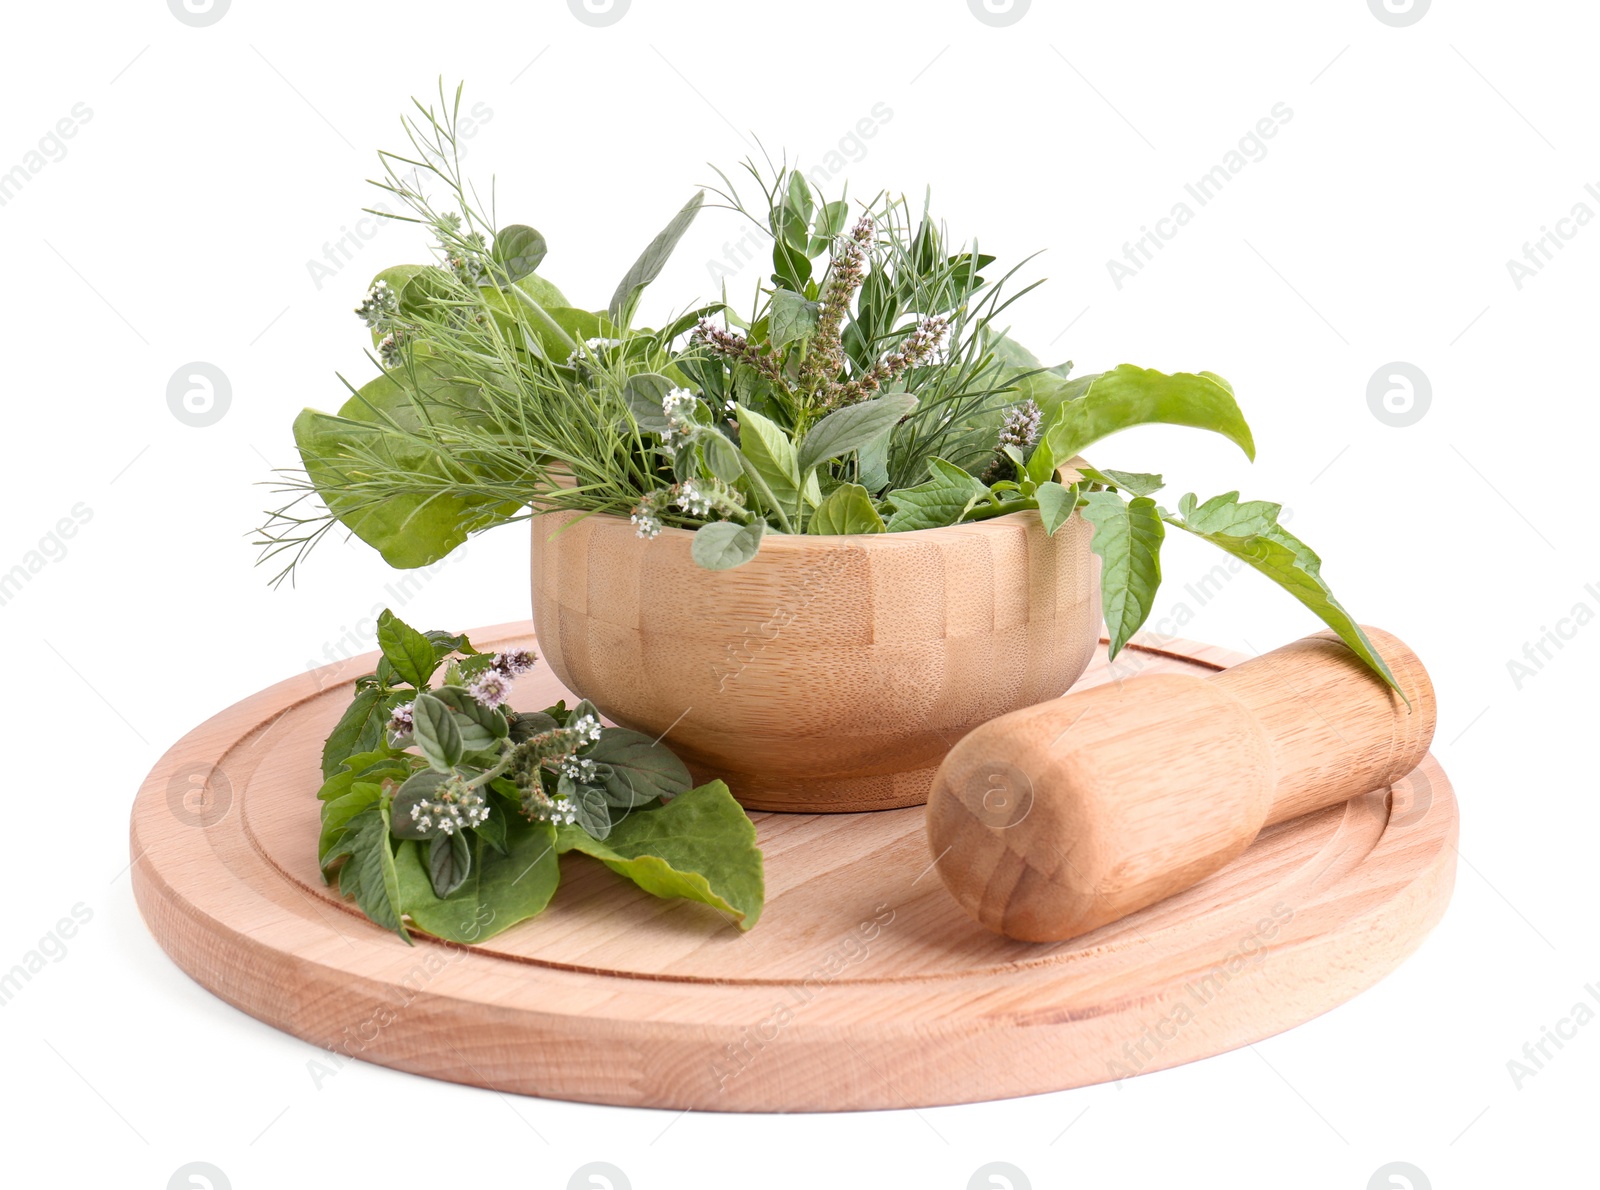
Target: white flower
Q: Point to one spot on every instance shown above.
(588, 728)
(648, 523)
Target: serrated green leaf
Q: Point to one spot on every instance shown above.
(1225, 515)
(368, 873)
(1283, 558)
(410, 652)
(771, 456)
(701, 846)
(1129, 396)
(1135, 483)
(336, 814)
(1127, 536)
(852, 428)
(359, 729)
(942, 500)
(847, 509)
(722, 545)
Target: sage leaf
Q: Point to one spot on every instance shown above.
(1055, 504)
(499, 891)
(846, 509)
(449, 862)
(410, 652)
(852, 428)
(1127, 536)
(1283, 558)
(701, 846)
(437, 735)
(588, 804)
(651, 261)
(482, 728)
(1131, 396)
(722, 545)
(518, 250)
(635, 769)
(420, 786)
(643, 395)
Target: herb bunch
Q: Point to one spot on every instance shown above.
(445, 809)
(870, 388)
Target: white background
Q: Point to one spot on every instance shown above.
(219, 160)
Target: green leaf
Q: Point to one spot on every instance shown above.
(644, 394)
(499, 891)
(1128, 539)
(365, 766)
(445, 643)
(1055, 504)
(1135, 483)
(846, 509)
(852, 428)
(482, 728)
(1283, 558)
(449, 862)
(368, 873)
(793, 320)
(493, 829)
(722, 545)
(722, 458)
(419, 786)
(651, 261)
(636, 769)
(589, 806)
(410, 652)
(518, 249)
(527, 724)
(872, 464)
(1130, 396)
(942, 500)
(829, 223)
(701, 846)
(769, 453)
(336, 814)
(437, 734)
(360, 729)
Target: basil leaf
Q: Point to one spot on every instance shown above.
(722, 545)
(700, 846)
(449, 862)
(1128, 539)
(651, 261)
(1283, 558)
(437, 735)
(499, 891)
(1130, 396)
(846, 509)
(518, 250)
(768, 452)
(852, 428)
(635, 769)
(411, 653)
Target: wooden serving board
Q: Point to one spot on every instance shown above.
(863, 986)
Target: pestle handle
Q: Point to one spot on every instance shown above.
(1061, 817)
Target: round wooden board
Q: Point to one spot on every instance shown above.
(864, 985)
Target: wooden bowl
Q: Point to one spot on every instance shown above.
(828, 673)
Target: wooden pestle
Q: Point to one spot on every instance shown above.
(1051, 821)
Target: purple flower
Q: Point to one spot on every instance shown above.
(491, 689)
(513, 662)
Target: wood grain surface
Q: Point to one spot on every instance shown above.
(827, 673)
(864, 986)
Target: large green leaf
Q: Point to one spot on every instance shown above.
(1130, 396)
(846, 509)
(1282, 557)
(852, 428)
(1127, 536)
(701, 846)
(360, 729)
(1056, 503)
(412, 654)
(499, 891)
(651, 261)
(369, 873)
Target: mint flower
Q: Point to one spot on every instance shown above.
(400, 720)
(455, 806)
(1021, 426)
(513, 662)
(492, 688)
